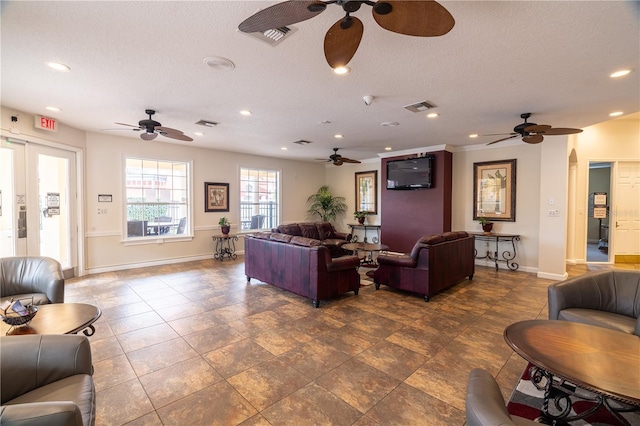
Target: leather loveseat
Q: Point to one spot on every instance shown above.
(435, 263)
(322, 231)
(609, 298)
(24, 277)
(47, 380)
(300, 265)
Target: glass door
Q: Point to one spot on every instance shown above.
(7, 197)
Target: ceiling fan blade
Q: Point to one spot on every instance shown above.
(280, 15)
(504, 139)
(537, 128)
(148, 136)
(349, 160)
(338, 162)
(561, 131)
(341, 44)
(422, 18)
(163, 130)
(500, 134)
(533, 138)
(179, 136)
(130, 125)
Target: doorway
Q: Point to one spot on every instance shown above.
(39, 206)
(599, 187)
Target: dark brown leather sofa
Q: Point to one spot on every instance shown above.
(300, 265)
(435, 263)
(322, 231)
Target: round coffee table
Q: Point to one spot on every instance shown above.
(58, 318)
(368, 259)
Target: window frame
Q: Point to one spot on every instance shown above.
(272, 222)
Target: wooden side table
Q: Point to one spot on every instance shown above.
(225, 246)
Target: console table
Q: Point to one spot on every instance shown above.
(354, 238)
(225, 246)
(506, 256)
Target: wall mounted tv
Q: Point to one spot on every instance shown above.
(411, 173)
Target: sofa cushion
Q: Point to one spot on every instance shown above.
(599, 318)
(305, 242)
(432, 239)
(290, 229)
(325, 230)
(283, 238)
(262, 235)
(309, 230)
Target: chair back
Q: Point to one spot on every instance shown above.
(182, 225)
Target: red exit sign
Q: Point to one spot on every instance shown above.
(46, 123)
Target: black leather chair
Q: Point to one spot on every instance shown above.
(485, 405)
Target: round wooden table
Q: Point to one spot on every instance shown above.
(604, 361)
(58, 318)
(369, 248)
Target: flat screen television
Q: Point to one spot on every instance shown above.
(411, 173)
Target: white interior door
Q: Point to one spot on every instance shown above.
(626, 212)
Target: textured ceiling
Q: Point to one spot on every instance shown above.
(501, 59)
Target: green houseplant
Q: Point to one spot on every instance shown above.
(325, 205)
(225, 225)
(360, 215)
(486, 225)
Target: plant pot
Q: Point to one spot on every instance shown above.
(487, 227)
(361, 220)
(225, 229)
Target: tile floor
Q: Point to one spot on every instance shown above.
(193, 344)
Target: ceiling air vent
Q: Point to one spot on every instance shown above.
(420, 106)
(275, 36)
(207, 123)
(302, 142)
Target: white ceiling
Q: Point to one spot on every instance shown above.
(501, 59)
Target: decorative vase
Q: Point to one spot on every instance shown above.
(487, 227)
(225, 229)
(361, 220)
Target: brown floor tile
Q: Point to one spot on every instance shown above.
(147, 336)
(105, 348)
(313, 359)
(122, 403)
(213, 338)
(161, 355)
(237, 357)
(396, 361)
(111, 372)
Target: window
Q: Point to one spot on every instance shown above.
(157, 198)
(259, 199)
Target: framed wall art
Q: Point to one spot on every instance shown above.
(216, 197)
(367, 191)
(494, 190)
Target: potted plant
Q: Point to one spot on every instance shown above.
(486, 225)
(360, 215)
(325, 205)
(225, 225)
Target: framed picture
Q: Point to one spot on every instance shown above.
(367, 191)
(216, 197)
(494, 190)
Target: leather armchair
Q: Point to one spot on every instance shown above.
(485, 405)
(46, 380)
(609, 298)
(22, 277)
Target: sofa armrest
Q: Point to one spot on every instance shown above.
(31, 361)
(25, 274)
(41, 414)
(343, 262)
(340, 236)
(403, 260)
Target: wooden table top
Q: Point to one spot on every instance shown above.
(595, 358)
(365, 247)
(57, 318)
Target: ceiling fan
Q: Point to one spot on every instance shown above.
(422, 18)
(151, 129)
(534, 133)
(337, 159)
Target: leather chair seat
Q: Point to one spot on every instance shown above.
(599, 318)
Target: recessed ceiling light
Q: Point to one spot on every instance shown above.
(284, 148)
(199, 134)
(338, 136)
(245, 112)
(433, 115)
(218, 63)
(387, 148)
(390, 124)
(54, 109)
(616, 114)
(58, 66)
(473, 135)
(620, 73)
(341, 70)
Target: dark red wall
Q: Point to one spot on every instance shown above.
(411, 214)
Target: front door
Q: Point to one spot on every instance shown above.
(625, 214)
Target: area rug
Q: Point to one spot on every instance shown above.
(526, 401)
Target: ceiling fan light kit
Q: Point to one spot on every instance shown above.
(533, 133)
(420, 18)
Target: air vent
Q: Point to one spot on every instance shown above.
(207, 123)
(420, 106)
(303, 142)
(275, 36)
